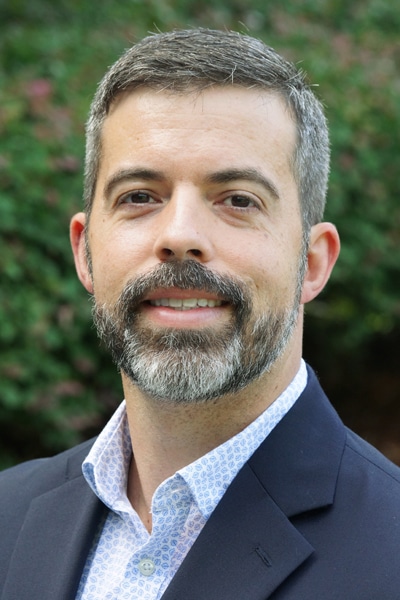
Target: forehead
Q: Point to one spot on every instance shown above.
(219, 125)
(233, 102)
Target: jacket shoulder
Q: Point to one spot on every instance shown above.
(20, 484)
(365, 463)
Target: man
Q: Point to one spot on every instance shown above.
(225, 474)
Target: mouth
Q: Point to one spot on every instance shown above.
(177, 308)
(186, 303)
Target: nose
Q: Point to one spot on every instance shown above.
(185, 228)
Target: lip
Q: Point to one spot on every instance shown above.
(183, 318)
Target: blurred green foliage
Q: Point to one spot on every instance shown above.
(57, 385)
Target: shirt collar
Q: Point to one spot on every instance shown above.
(107, 465)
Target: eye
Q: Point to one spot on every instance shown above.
(239, 201)
(138, 197)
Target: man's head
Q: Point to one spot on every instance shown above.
(190, 60)
(198, 250)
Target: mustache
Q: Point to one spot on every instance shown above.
(184, 275)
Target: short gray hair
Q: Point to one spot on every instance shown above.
(192, 60)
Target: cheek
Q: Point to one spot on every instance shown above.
(272, 280)
(117, 259)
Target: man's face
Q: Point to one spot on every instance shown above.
(196, 239)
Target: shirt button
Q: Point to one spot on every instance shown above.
(146, 566)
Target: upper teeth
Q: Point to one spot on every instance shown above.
(185, 303)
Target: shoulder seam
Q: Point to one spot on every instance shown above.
(371, 462)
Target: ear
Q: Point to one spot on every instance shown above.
(77, 237)
(323, 251)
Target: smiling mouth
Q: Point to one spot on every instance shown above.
(186, 303)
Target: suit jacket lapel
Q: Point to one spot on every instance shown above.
(53, 543)
(299, 461)
(249, 545)
(247, 548)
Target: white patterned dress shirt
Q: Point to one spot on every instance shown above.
(125, 561)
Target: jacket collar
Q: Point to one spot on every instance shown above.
(299, 461)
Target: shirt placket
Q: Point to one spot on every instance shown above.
(151, 564)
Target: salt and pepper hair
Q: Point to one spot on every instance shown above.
(184, 61)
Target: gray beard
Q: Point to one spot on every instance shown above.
(194, 366)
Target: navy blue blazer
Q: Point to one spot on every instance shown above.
(313, 515)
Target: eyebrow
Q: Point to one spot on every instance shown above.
(219, 177)
(129, 174)
(246, 174)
